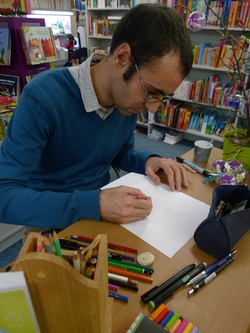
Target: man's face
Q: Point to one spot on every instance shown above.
(157, 80)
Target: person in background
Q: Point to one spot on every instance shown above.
(72, 124)
(71, 42)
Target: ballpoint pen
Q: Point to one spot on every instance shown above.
(157, 289)
(210, 277)
(210, 269)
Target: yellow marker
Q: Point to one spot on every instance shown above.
(188, 328)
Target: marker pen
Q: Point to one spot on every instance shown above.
(194, 166)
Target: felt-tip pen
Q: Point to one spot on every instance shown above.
(158, 289)
(194, 166)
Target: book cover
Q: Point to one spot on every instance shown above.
(187, 117)
(12, 6)
(10, 86)
(5, 46)
(38, 44)
(17, 312)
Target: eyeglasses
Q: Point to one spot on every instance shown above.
(148, 98)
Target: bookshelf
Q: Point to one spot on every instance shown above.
(100, 25)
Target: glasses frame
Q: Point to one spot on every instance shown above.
(148, 98)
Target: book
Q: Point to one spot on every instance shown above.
(14, 6)
(5, 46)
(187, 117)
(17, 312)
(10, 86)
(172, 137)
(38, 44)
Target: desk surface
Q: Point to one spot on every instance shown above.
(220, 307)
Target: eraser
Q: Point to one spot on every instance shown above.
(145, 258)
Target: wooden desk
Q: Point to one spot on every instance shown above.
(220, 307)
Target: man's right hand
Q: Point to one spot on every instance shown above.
(124, 204)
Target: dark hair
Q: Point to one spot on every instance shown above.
(152, 31)
(72, 38)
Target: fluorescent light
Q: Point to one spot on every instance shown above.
(51, 12)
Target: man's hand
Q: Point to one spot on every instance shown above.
(176, 172)
(124, 204)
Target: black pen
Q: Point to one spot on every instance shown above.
(194, 166)
(210, 277)
(167, 292)
(158, 289)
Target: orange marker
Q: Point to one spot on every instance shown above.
(156, 313)
(123, 272)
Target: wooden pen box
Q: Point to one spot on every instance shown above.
(63, 299)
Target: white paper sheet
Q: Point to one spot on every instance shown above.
(174, 217)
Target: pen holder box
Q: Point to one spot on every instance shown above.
(63, 299)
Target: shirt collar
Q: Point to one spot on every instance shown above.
(82, 76)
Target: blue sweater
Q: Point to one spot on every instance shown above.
(56, 157)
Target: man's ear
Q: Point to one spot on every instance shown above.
(122, 55)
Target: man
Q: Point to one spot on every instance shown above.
(71, 124)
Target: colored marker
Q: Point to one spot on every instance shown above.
(124, 284)
(113, 287)
(129, 267)
(158, 289)
(171, 322)
(123, 272)
(167, 318)
(118, 296)
(133, 265)
(111, 245)
(194, 166)
(156, 313)
(188, 328)
(121, 278)
(194, 329)
(176, 325)
(182, 326)
(163, 314)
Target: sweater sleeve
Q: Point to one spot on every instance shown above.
(20, 153)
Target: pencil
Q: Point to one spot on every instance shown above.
(57, 244)
(39, 244)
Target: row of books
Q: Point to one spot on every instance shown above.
(102, 27)
(176, 114)
(231, 13)
(109, 3)
(9, 95)
(222, 55)
(17, 6)
(209, 90)
(51, 4)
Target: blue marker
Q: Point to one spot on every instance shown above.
(166, 319)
